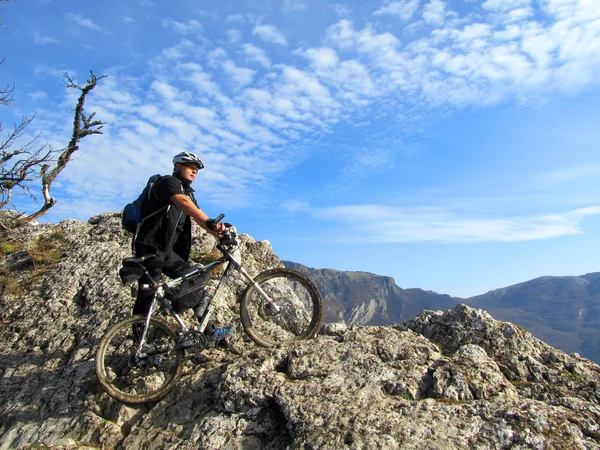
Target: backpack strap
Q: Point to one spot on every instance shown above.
(139, 225)
(148, 197)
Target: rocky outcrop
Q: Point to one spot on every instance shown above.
(443, 380)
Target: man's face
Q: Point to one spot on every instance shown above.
(188, 173)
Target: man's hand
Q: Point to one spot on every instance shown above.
(216, 227)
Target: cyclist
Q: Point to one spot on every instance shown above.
(168, 234)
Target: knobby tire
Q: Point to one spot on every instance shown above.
(149, 380)
(301, 308)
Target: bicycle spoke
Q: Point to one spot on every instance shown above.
(137, 375)
(295, 311)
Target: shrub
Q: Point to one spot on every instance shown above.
(48, 249)
(204, 256)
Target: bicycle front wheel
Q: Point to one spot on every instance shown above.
(134, 375)
(282, 305)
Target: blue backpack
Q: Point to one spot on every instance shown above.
(132, 219)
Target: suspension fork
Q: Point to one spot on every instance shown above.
(154, 285)
(142, 343)
(256, 286)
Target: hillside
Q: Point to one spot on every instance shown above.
(362, 298)
(454, 380)
(563, 311)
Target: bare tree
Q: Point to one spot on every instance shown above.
(20, 166)
(6, 93)
(3, 2)
(31, 161)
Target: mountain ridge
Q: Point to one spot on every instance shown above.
(561, 310)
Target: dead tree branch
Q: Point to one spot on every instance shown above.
(3, 2)
(6, 93)
(20, 166)
(82, 126)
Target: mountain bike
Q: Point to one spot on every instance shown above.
(140, 359)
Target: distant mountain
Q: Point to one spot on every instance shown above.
(562, 311)
(362, 298)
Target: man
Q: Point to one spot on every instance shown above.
(168, 232)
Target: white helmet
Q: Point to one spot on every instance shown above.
(188, 158)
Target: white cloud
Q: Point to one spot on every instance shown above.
(239, 75)
(178, 51)
(353, 77)
(144, 128)
(165, 90)
(519, 14)
(257, 54)
(234, 35)
(300, 82)
(404, 9)
(191, 26)
(505, 5)
(384, 44)
(434, 12)
(44, 40)
(239, 18)
(83, 22)
(352, 74)
(201, 116)
(441, 225)
(367, 163)
(481, 62)
(201, 79)
(568, 174)
(270, 34)
(37, 95)
(342, 34)
(575, 10)
(291, 6)
(322, 58)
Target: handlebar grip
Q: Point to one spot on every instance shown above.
(212, 223)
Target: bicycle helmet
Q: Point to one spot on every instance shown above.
(188, 158)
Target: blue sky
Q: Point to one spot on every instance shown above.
(452, 145)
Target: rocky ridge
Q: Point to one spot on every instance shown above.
(442, 380)
(362, 298)
(562, 311)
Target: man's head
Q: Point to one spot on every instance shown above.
(187, 165)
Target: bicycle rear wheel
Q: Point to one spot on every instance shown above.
(147, 376)
(295, 313)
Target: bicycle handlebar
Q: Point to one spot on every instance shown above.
(212, 223)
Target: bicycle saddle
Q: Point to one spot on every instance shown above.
(136, 260)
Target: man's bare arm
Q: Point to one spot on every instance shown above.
(188, 207)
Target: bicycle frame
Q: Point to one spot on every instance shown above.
(160, 290)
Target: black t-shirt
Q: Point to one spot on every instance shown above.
(167, 187)
(170, 231)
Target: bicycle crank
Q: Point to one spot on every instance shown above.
(192, 338)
